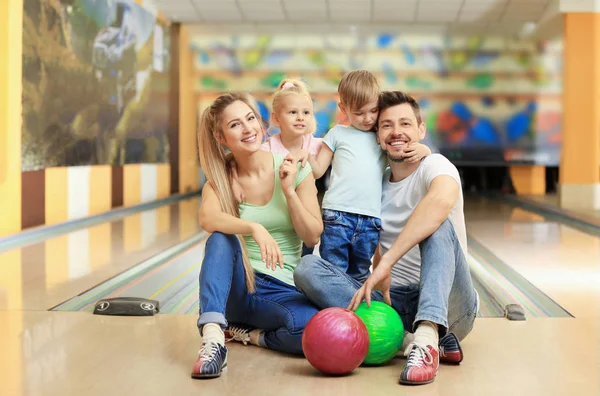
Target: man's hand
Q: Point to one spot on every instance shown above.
(380, 279)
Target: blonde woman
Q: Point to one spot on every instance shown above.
(247, 272)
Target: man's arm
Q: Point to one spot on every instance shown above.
(429, 214)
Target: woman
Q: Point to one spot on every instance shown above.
(247, 272)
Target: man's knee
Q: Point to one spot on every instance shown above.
(305, 270)
(444, 234)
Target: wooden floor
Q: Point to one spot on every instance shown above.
(76, 353)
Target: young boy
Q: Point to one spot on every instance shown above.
(352, 204)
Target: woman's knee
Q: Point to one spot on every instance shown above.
(218, 238)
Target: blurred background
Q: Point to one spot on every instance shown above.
(116, 86)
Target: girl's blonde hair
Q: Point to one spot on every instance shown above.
(216, 162)
(289, 87)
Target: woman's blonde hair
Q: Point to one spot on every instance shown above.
(289, 87)
(216, 162)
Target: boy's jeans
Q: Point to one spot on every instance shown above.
(349, 241)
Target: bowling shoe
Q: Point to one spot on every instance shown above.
(212, 361)
(421, 366)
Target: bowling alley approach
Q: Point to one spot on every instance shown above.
(299, 198)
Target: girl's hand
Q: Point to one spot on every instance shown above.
(269, 250)
(298, 156)
(287, 174)
(415, 152)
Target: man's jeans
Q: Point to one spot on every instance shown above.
(445, 295)
(278, 308)
(349, 241)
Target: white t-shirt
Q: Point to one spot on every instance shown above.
(398, 203)
(356, 171)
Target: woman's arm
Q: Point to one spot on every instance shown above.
(213, 219)
(302, 203)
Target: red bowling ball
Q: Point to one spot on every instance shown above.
(335, 341)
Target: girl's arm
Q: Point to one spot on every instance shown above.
(302, 203)
(319, 164)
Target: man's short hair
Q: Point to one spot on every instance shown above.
(389, 99)
(357, 88)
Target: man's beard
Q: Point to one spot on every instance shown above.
(394, 159)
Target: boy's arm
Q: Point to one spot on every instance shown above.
(415, 152)
(321, 163)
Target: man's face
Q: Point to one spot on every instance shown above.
(397, 127)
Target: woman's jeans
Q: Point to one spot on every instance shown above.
(276, 307)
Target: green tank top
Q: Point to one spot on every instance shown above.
(275, 217)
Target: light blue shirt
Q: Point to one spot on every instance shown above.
(356, 172)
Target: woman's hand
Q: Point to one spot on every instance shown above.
(269, 250)
(287, 173)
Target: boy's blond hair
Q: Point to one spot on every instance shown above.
(357, 88)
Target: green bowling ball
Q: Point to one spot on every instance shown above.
(386, 331)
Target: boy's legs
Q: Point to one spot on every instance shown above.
(336, 239)
(364, 242)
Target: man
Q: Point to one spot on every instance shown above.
(420, 266)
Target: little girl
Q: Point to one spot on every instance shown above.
(292, 112)
(293, 115)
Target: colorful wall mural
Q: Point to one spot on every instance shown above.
(95, 84)
(485, 100)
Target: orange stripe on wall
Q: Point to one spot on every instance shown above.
(132, 189)
(132, 233)
(57, 202)
(188, 107)
(11, 47)
(100, 180)
(580, 154)
(163, 184)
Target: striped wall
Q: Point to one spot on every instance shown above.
(55, 195)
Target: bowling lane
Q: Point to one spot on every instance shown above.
(561, 261)
(40, 276)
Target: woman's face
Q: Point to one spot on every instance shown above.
(242, 132)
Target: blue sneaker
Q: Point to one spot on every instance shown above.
(212, 361)
(450, 350)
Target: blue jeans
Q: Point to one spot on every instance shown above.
(349, 241)
(445, 295)
(278, 308)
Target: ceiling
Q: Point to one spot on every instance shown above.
(498, 17)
